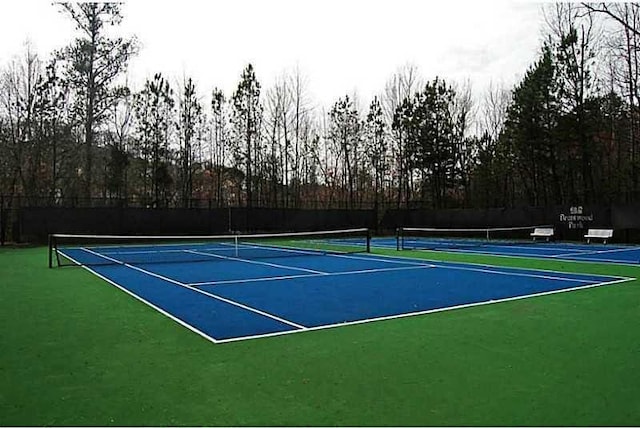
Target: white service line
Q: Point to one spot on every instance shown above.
(256, 262)
(279, 278)
(197, 290)
(177, 250)
(260, 279)
(310, 251)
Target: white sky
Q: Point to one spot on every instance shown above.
(341, 46)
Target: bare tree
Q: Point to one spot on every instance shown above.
(398, 89)
(218, 141)
(302, 138)
(623, 54)
(465, 150)
(493, 110)
(19, 83)
(189, 124)
(615, 11)
(120, 127)
(276, 121)
(575, 38)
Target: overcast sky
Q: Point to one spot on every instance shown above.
(341, 46)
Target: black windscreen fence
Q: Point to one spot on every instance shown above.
(464, 218)
(300, 220)
(35, 224)
(626, 216)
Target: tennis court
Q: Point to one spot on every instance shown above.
(264, 285)
(507, 242)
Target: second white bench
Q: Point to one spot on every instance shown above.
(603, 234)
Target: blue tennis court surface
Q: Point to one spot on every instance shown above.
(228, 298)
(625, 254)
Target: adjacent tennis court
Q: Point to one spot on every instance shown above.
(237, 287)
(507, 242)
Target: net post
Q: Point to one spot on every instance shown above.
(50, 249)
(368, 240)
(398, 238)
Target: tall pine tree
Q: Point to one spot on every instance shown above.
(93, 63)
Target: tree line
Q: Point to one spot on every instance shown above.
(567, 133)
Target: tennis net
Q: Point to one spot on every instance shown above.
(92, 250)
(423, 238)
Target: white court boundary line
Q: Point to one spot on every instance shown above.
(425, 312)
(197, 290)
(587, 252)
(443, 264)
(143, 300)
(608, 261)
(620, 280)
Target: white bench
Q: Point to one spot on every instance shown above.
(603, 234)
(542, 232)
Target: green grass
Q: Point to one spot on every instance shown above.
(77, 351)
